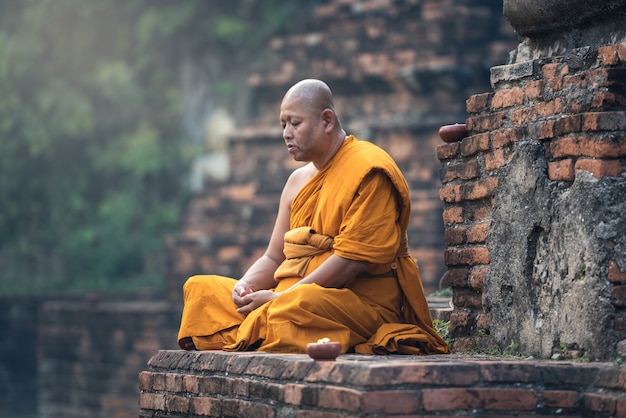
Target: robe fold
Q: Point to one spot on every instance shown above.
(356, 207)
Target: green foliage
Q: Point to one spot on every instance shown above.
(92, 151)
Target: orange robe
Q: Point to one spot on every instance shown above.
(358, 208)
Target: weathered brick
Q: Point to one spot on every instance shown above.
(561, 399)
(615, 274)
(466, 256)
(453, 215)
(457, 277)
(486, 123)
(390, 402)
(603, 147)
(612, 54)
(463, 171)
(173, 382)
(478, 211)
(209, 407)
(561, 170)
(547, 129)
(618, 296)
(450, 399)
(477, 278)
(478, 102)
(507, 98)
(534, 89)
(480, 189)
(568, 124)
(600, 403)
(495, 159)
(606, 99)
(215, 385)
(601, 168)
(619, 323)
(450, 193)
(483, 320)
(467, 298)
(551, 108)
(342, 398)
(551, 70)
(478, 233)
(523, 115)
(152, 401)
(448, 151)
(176, 403)
(604, 121)
(474, 144)
(455, 235)
(502, 137)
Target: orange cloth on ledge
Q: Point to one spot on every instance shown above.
(360, 201)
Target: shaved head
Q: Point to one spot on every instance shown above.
(314, 95)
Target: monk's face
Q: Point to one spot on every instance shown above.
(303, 131)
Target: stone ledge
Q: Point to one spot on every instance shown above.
(253, 384)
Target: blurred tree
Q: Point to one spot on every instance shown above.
(97, 121)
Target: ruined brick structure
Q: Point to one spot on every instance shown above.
(398, 70)
(535, 195)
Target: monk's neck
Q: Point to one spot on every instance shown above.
(333, 151)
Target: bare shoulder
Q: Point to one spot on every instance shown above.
(298, 178)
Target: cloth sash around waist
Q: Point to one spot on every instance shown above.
(303, 243)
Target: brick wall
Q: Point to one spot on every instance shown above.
(398, 70)
(217, 384)
(574, 107)
(90, 352)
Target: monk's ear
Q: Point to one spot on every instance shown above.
(329, 119)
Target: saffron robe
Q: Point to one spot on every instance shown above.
(356, 207)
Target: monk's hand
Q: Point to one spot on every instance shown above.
(256, 299)
(240, 290)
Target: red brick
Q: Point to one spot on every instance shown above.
(551, 70)
(479, 189)
(612, 54)
(523, 115)
(604, 99)
(551, 108)
(457, 277)
(508, 399)
(213, 384)
(478, 102)
(561, 399)
(450, 399)
(502, 137)
(191, 383)
(152, 401)
(568, 124)
(604, 147)
(486, 123)
(601, 168)
(478, 233)
(466, 256)
(534, 89)
(455, 235)
(478, 212)
(342, 398)
(463, 171)
(477, 278)
(561, 170)
(453, 215)
(618, 296)
(467, 298)
(604, 121)
(600, 403)
(483, 321)
(475, 143)
(390, 402)
(450, 194)
(615, 274)
(494, 160)
(210, 407)
(448, 151)
(507, 98)
(173, 382)
(546, 129)
(176, 403)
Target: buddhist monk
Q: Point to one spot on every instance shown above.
(337, 264)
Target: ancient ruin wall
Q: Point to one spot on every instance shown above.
(535, 195)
